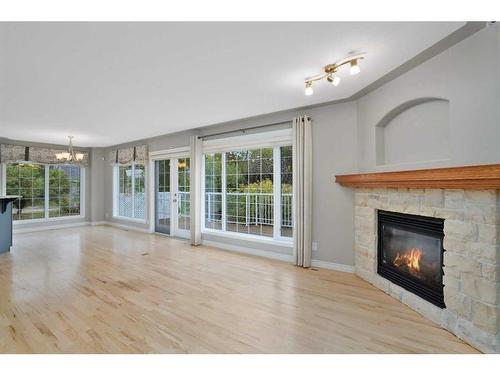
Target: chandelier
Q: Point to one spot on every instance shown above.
(331, 71)
(71, 155)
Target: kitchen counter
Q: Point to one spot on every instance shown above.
(6, 221)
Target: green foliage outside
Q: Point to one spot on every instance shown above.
(28, 181)
(256, 165)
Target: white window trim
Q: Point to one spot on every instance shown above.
(283, 241)
(47, 219)
(281, 137)
(116, 191)
(3, 179)
(173, 153)
(276, 141)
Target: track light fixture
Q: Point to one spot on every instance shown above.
(331, 72)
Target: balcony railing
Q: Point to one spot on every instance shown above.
(242, 208)
(248, 208)
(127, 201)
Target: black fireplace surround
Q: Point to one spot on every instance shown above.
(410, 253)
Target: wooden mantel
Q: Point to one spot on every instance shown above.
(472, 177)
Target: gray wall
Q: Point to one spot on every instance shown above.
(467, 76)
(498, 82)
(334, 152)
(97, 185)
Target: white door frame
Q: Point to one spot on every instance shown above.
(174, 154)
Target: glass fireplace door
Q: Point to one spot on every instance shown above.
(410, 253)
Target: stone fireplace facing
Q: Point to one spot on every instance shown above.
(385, 254)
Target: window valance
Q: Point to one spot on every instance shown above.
(128, 155)
(43, 155)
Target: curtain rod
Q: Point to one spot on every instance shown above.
(245, 129)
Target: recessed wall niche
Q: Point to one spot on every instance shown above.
(413, 132)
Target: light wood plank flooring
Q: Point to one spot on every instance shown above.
(107, 290)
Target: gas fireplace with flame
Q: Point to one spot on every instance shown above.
(410, 253)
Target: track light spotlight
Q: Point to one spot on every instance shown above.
(334, 80)
(354, 67)
(309, 89)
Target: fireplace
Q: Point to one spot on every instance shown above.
(410, 253)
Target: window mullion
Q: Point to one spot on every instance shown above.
(133, 191)
(202, 192)
(116, 183)
(224, 227)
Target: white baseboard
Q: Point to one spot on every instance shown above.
(250, 251)
(93, 223)
(332, 266)
(283, 257)
(40, 228)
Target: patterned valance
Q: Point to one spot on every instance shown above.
(42, 155)
(12, 154)
(128, 155)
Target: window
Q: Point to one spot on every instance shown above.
(28, 181)
(213, 191)
(130, 192)
(64, 191)
(60, 197)
(250, 191)
(139, 192)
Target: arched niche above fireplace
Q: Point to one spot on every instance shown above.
(415, 131)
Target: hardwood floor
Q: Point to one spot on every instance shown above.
(106, 290)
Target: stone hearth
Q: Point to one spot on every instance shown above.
(471, 260)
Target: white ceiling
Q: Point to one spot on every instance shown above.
(109, 83)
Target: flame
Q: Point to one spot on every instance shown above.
(411, 259)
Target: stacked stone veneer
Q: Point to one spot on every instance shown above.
(471, 260)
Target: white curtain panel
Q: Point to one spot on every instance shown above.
(302, 190)
(196, 148)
